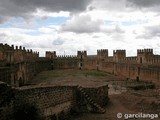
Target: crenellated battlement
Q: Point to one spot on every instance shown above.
(102, 50)
(16, 54)
(5, 47)
(119, 55)
(66, 56)
(131, 59)
(81, 54)
(102, 53)
(143, 51)
(119, 51)
(51, 54)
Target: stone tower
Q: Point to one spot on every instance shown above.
(102, 54)
(81, 55)
(51, 55)
(119, 55)
(143, 55)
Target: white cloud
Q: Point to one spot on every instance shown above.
(110, 5)
(82, 24)
(46, 30)
(85, 24)
(44, 14)
(150, 32)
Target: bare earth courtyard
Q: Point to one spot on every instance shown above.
(122, 100)
(72, 77)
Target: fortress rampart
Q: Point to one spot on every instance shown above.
(18, 65)
(144, 66)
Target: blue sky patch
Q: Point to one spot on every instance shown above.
(20, 22)
(129, 23)
(51, 21)
(109, 22)
(35, 24)
(6, 25)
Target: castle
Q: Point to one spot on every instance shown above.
(145, 66)
(18, 65)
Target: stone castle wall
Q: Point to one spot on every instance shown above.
(131, 71)
(145, 66)
(18, 65)
(65, 63)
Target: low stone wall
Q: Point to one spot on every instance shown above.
(51, 100)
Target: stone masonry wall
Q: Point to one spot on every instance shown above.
(50, 100)
(65, 63)
(91, 64)
(146, 72)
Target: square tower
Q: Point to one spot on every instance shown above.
(51, 55)
(81, 54)
(119, 55)
(143, 55)
(102, 54)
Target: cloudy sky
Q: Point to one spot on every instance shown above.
(66, 26)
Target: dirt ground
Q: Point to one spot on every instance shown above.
(129, 102)
(73, 77)
(122, 100)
